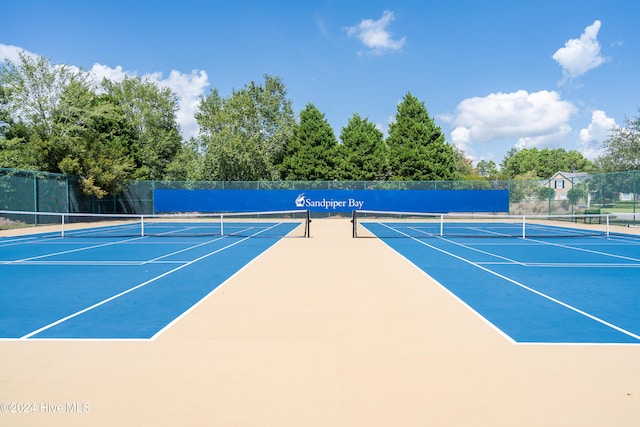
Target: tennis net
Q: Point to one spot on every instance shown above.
(293, 223)
(388, 224)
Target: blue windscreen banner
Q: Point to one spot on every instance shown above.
(329, 201)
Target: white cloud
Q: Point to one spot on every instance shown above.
(11, 53)
(374, 34)
(189, 88)
(100, 72)
(580, 55)
(591, 138)
(461, 136)
(528, 119)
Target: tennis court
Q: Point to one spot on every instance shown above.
(327, 330)
(113, 277)
(557, 282)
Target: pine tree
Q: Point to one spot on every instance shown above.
(364, 154)
(418, 150)
(311, 153)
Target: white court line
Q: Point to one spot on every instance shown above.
(30, 261)
(508, 260)
(627, 238)
(202, 300)
(581, 265)
(127, 291)
(89, 263)
(19, 241)
(192, 247)
(548, 297)
(84, 248)
(563, 264)
(540, 264)
(102, 231)
(586, 250)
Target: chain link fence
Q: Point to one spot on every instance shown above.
(564, 193)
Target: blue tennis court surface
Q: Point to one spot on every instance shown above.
(535, 290)
(116, 287)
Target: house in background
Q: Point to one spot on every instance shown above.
(562, 182)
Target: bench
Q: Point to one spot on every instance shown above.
(591, 212)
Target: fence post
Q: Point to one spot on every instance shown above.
(509, 193)
(66, 184)
(35, 197)
(549, 197)
(153, 197)
(571, 199)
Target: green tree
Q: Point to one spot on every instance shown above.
(151, 112)
(576, 162)
(33, 88)
(463, 169)
(544, 163)
(243, 136)
(519, 162)
(187, 165)
(311, 152)
(622, 148)
(546, 193)
(524, 186)
(5, 114)
(576, 194)
(91, 138)
(15, 150)
(487, 169)
(364, 154)
(42, 100)
(418, 150)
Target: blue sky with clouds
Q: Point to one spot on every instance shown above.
(493, 74)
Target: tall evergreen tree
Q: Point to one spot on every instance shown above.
(311, 152)
(364, 153)
(418, 150)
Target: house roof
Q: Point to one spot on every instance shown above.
(571, 174)
(567, 175)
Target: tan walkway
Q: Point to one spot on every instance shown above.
(327, 331)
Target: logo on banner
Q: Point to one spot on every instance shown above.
(303, 201)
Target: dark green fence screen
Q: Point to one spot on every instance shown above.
(564, 193)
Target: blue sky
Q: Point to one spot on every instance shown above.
(493, 74)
